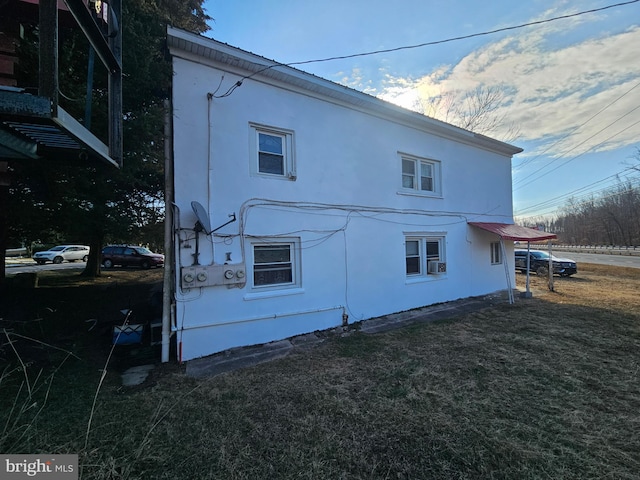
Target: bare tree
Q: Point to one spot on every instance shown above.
(612, 218)
(478, 110)
(636, 159)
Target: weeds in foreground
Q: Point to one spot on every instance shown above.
(19, 421)
(21, 429)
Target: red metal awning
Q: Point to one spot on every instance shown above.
(514, 232)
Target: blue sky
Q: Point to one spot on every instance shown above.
(571, 84)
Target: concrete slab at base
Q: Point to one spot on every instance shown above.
(136, 375)
(238, 358)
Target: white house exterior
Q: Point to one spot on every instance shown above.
(347, 207)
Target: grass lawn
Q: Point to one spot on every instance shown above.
(547, 388)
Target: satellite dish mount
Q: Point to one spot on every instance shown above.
(203, 225)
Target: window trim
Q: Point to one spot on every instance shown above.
(288, 147)
(412, 256)
(294, 257)
(496, 253)
(423, 239)
(436, 167)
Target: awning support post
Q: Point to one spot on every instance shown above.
(550, 268)
(527, 293)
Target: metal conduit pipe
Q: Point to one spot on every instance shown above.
(168, 234)
(263, 317)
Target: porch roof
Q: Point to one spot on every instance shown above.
(514, 232)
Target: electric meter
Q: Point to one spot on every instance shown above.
(188, 277)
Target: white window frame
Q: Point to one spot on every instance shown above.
(288, 151)
(424, 258)
(411, 255)
(496, 253)
(416, 184)
(294, 260)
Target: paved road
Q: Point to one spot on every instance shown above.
(12, 269)
(600, 259)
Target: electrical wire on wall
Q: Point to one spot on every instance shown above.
(323, 208)
(318, 236)
(346, 211)
(320, 206)
(315, 207)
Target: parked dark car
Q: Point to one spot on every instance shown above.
(539, 263)
(130, 256)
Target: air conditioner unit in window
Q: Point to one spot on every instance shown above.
(437, 267)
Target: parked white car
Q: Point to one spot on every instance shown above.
(58, 254)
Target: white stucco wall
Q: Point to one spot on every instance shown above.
(352, 256)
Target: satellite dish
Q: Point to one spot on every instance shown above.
(203, 224)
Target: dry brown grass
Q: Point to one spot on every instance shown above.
(598, 286)
(545, 388)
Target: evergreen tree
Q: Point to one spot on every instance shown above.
(82, 202)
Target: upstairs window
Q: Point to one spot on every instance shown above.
(420, 175)
(273, 154)
(271, 159)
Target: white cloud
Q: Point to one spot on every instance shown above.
(356, 79)
(551, 90)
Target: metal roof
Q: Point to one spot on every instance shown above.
(514, 232)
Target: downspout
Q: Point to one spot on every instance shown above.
(167, 290)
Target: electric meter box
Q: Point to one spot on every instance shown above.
(197, 276)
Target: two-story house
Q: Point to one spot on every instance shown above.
(298, 204)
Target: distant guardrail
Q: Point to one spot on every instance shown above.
(602, 249)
